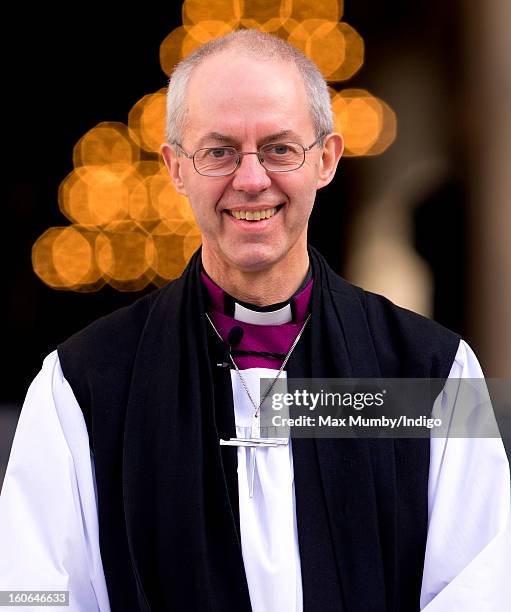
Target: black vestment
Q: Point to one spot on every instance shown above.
(155, 405)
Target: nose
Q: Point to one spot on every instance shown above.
(250, 175)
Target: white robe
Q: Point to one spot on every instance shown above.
(49, 524)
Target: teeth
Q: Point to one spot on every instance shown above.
(253, 215)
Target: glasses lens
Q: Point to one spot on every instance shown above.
(215, 162)
(282, 156)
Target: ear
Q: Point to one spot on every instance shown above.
(173, 162)
(333, 147)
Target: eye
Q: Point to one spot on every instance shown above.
(218, 153)
(279, 149)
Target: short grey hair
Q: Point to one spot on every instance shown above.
(259, 45)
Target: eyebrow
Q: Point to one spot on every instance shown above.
(229, 140)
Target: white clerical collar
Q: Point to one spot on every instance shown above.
(256, 317)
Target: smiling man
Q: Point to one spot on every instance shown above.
(252, 209)
(139, 479)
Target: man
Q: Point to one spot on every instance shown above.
(121, 487)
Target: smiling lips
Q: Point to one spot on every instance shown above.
(253, 215)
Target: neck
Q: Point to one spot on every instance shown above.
(270, 285)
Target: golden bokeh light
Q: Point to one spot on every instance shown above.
(367, 124)
(195, 11)
(107, 143)
(174, 245)
(171, 49)
(322, 41)
(63, 258)
(260, 11)
(203, 32)
(125, 255)
(275, 25)
(95, 195)
(358, 120)
(73, 257)
(146, 121)
(42, 259)
(300, 10)
(388, 130)
(171, 206)
(147, 168)
(140, 205)
(354, 52)
(192, 238)
(287, 26)
(337, 48)
(169, 261)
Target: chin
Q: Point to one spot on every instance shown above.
(253, 258)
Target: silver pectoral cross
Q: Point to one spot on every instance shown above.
(253, 442)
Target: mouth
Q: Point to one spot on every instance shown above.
(254, 216)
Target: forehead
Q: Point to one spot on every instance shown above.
(234, 94)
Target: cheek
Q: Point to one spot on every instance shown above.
(204, 202)
(301, 194)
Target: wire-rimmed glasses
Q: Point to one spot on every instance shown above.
(274, 157)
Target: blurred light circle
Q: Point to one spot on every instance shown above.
(147, 168)
(336, 48)
(388, 129)
(95, 195)
(170, 205)
(274, 25)
(354, 52)
(357, 119)
(138, 198)
(367, 124)
(123, 254)
(300, 10)
(42, 259)
(107, 143)
(63, 258)
(146, 121)
(73, 257)
(322, 41)
(195, 11)
(169, 261)
(171, 49)
(192, 240)
(262, 11)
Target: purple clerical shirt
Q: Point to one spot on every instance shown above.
(273, 338)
